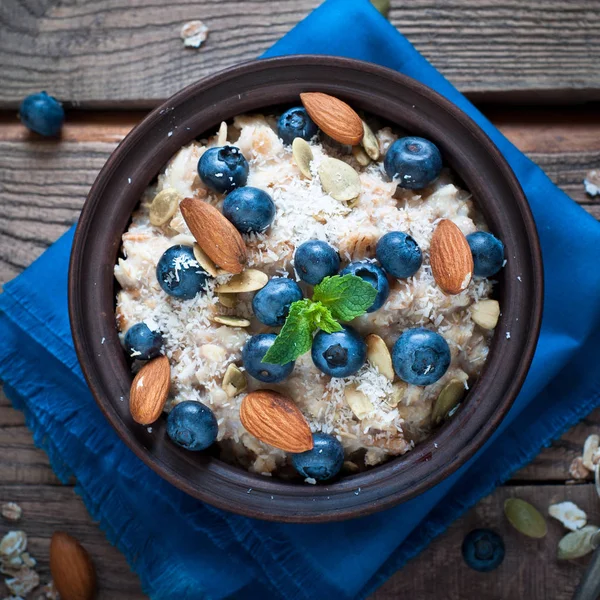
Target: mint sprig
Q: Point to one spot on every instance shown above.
(337, 298)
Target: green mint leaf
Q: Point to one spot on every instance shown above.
(346, 297)
(295, 337)
(322, 318)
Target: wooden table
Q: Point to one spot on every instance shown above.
(517, 59)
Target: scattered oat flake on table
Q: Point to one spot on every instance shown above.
(592, 183)
(11, 511)
(193, 34)
(24, 582)
(577, 470)
(50, 592)
(569, 514)
(12, 544)
(590, 449)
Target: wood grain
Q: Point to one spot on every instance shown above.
(106, 53)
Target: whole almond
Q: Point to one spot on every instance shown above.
(149, 391)
(276, 420)
(72, 568)
(451, 258)
(215, 234)
(334, 117)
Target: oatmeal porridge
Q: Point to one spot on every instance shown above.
(346, 255)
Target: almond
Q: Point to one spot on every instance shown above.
(72, 568)
(215, 234)
(149, 391)
(276, 420)
(334, 117)
(451, 258)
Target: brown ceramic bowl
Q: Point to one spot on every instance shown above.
(254, 86)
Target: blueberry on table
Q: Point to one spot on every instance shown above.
(483, 550)
(179, 273)
(420, 356)
(414, 162)
(323, 462)
(143, 343)
(373, 274)
(192, 425)
(249, 209)
(488, 253)
(223, 169)
(399, 254)
(42, 113)
(252, 354)
(271, 304)
(314, 260)
(296, 123)
(339, 354)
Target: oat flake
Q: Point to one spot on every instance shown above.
(11, 511)
(193, 34)
(13, 544)
(23, 583)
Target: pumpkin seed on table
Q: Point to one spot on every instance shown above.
(164, 206)
(303, 156)
(205, 261)
(577, 543)
(232, 321)
(370, 143)
(525, 518)
(249, 280)
(339, 179)
(234, 381)
(452, 393)
(361, 156)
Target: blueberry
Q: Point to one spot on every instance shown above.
(483, 550)
(488, 253)
(249, 209)
(252, 354)
(223, 169)
(192, 425)
(323, 462)
(296, 123)
(314, 260)
(42, 113)
(420, 356)
(374, 275)
(143, 343)
(339, 354)
(414, 162)
(179, 273)
(399, 254)
(271, 304)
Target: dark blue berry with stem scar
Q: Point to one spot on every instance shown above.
(483, 550)
(314, 260)
(420, 356)
(179, 273)
(271, 304)
(373, 274)
(42, 113)
(223, 169)
(323, 462)
(339, 354)
(296, 123)
(413, 162)
(249, 209)
(252, 354)
(142, 343)
(192, 425)
(399, 254)
(488, 253)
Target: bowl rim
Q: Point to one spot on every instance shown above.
(293, 501)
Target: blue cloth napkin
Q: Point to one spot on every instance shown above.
(185, 550)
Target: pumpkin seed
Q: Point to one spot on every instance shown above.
(569, 514)
(303, 156)
(358, 402)
(339, 179)
(452, 393)
(164, 206)
(379, 356)
(383, 6)
(249, 280)
(398, 392)
(234, 381)
(525, 518)
(232, 321)
(577, 543)
(590, 449)
(222, 134)
(205, 261)
(370, 142)
(362, 158)
(485, 313)
(227, 300)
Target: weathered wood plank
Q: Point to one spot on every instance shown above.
(112, 52)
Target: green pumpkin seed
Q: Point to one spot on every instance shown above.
(361, 156)
(383, 6)
(227, 300)
(234, 381)
(232, 321)
(525, 518)
(164, 206)
(339, 179)
(452, 393)
(303, 156)
(205, 261)
(577, 543)
(370, 143)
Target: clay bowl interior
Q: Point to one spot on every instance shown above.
(251, 87)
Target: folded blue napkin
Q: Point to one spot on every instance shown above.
(185, 550)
